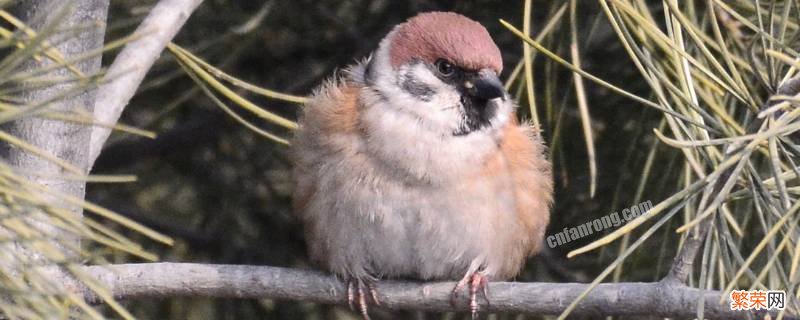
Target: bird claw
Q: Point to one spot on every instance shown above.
(373, 293)
(356, 293)
(350, 295)
(476, 281)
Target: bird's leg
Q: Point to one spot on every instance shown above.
(373, 293)
(351, 295)
(460, 285)
(357, 294)
(362, 302)
(475, 281)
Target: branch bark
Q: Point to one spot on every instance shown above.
(683, 264)
(131, 65)
(164, 280)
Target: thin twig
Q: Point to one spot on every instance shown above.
(131, 65)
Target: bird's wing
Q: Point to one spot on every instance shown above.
(328, 126)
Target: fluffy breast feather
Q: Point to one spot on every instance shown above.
(531, 175)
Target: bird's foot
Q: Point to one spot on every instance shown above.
(357, 291)
(475, 281)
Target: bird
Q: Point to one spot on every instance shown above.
(412, 164)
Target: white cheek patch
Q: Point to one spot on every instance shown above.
(445, 93)
(435, 103)
(421, 72)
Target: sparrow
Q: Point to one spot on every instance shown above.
(412, 164)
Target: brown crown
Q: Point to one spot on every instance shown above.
(445, 35)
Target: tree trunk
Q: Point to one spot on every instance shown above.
(80, 30)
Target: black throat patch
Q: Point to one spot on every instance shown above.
(478, 114)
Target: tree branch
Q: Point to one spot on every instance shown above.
(130, 281)
(131, 65)
(683, 264)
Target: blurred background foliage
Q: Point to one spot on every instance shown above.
(222, 191)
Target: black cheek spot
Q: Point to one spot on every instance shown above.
(418, 89)
(368, 71)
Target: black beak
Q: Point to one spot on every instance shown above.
(486, 86)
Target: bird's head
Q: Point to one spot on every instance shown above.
(442, 69)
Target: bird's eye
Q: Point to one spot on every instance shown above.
(445, 68)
